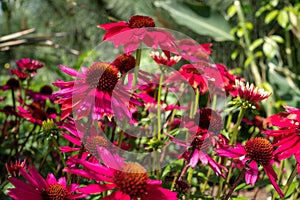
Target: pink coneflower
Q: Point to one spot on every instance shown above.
(124, 63)
(250, 93)
(38, 188)
(30, 66)
(35, 113)
(228, 79)
(136, 21)
(200, 147)
(165, 58)
(256, 151)
(13, 169)
(192, 51)
(138, 29)
(128, 180)
(91, 94)
(288, 135)
(20, 74)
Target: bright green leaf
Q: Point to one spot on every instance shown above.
(277, 38)
(269, 50)
(283, 18)
(271, 16)
(231, 11)
(256, 44)
(234, 54)
(214, 25)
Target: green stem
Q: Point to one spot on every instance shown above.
(137, 65)
(237, 124)
(290, 180)
(249, 53)
(196, 105)
(189, 180)
(120, 140)
(159, 106)
(206, 180)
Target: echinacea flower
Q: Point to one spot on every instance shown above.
(136, 21)
(13, 169)
(165, 58)
(128, 180)
(124, 63)
(139, 29)
(256, 151)
(91, 94)
(288, 135)
(30, 66)
(20, 74)
(249, 92)
(38, 188)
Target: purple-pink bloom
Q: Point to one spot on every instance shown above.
(129, 180)
(256, 151)
(287, 137)
(38, 188)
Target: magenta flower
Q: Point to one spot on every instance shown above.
(38, 188)
(13, 169)
(92, 93)
(20, 74)
(250, 93)
(138, 29)
(288, 136)
(136, 21)
(30, 66)
(256, 151)
(165, 58)
(192, 51)
(128, 180)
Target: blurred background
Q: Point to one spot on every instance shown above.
(258, 40)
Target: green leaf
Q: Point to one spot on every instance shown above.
(277, 38)
(283, 18)
(256, 44)
(271, 16)
(269, 50)
(214, 25)
(231, 11)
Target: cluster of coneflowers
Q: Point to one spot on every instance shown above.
(102, 96)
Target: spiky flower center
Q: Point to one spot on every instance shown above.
(39, 114)
(124, 63)
(102, 76)
(138, 21)
(93, 141)
(201, 143)
(46, 89)
(55, 192)
(13, 83)
(260, 150)
(210, 120)
(132, 180)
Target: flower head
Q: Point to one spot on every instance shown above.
(165, 58)
(129, 180)
(250, 93)
(14, 168)
(256, 151)
(38, 188)
(91, 93)
(287, 135)
(124, 63)
(30, 66)
(139, 29)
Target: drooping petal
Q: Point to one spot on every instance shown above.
(270, 172)
(251, 173)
